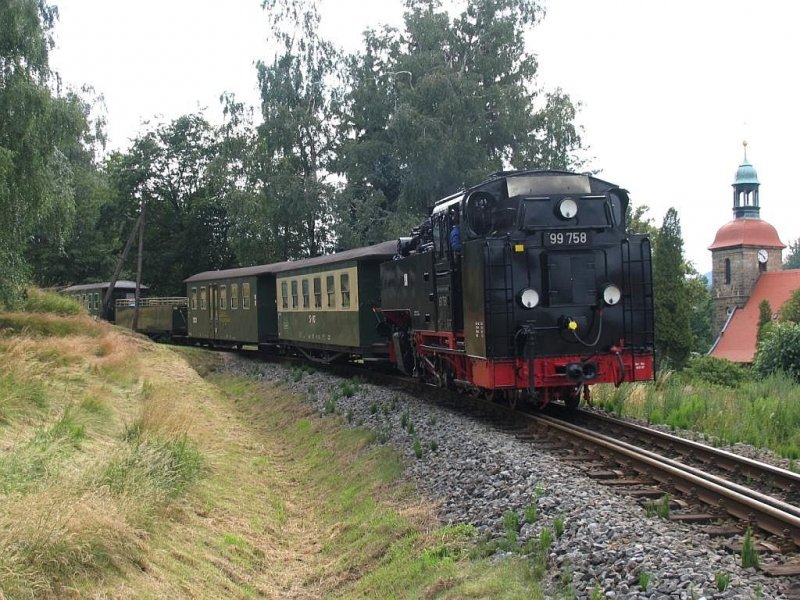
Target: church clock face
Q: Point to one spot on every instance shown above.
(762, 256)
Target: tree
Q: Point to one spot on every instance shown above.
(764, 319)
(36, 128)
(701, 311)
(793, 259)
(671, 298)
(443, 103)
(83, 252)
(289, 209)
(179, 172)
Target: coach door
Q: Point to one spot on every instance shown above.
(213, 311)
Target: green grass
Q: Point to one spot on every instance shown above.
(150, 464)
(39, 301)
(764, 413)
(749, 554)
(361, 498)
(20, 397)
(42, 456)
(44, 325)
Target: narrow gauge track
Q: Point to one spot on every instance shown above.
(769, 514)
(748, 472)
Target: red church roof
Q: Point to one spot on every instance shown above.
(737, 342)
(747, 232)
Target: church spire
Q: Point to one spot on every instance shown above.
(745, 190)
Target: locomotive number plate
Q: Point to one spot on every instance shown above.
(567, 238)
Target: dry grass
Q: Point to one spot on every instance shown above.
(147, 481)
(69, 399)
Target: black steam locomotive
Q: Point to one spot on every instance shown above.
(525, 287)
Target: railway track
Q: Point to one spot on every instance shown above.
(646, 474)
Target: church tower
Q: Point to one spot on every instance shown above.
(743, 248)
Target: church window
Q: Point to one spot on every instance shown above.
(727, 271)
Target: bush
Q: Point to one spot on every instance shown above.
(716, 370)
(779, 351)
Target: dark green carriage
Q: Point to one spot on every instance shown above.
(326, 304)
(91, 296)
(233, 306)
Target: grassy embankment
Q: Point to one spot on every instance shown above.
(723, 401)
(124, 473)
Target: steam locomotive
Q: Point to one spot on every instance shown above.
(525, 287)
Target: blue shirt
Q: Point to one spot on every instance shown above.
(455, 239)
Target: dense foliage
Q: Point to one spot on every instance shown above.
(779, 351)
(716, 370)
(42, 140)
(442, 103)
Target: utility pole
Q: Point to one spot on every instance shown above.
(118, 268)
(135, 324)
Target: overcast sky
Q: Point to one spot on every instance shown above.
(669, 90)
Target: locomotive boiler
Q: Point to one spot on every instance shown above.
(527, 286)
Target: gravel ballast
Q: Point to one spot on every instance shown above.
(476, 472)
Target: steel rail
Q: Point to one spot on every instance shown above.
(767, 516)
(782, 478)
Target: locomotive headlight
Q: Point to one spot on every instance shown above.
(612, 294)
(567, 208)
(529, 298)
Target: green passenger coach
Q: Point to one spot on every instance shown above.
(326, 304)
(233, 307)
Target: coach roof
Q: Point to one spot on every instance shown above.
(385, 250)
(121, 284)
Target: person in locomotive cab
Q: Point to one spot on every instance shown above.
(455, 232)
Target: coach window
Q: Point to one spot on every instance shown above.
(96, 300)
(223, 297)
(329, 287)
(344, 285)
(317, 292)
(194, 298)
(294, 293)
(203, 298)
(246, 296)
(284, 295)
(234, 296)
(305, 293)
